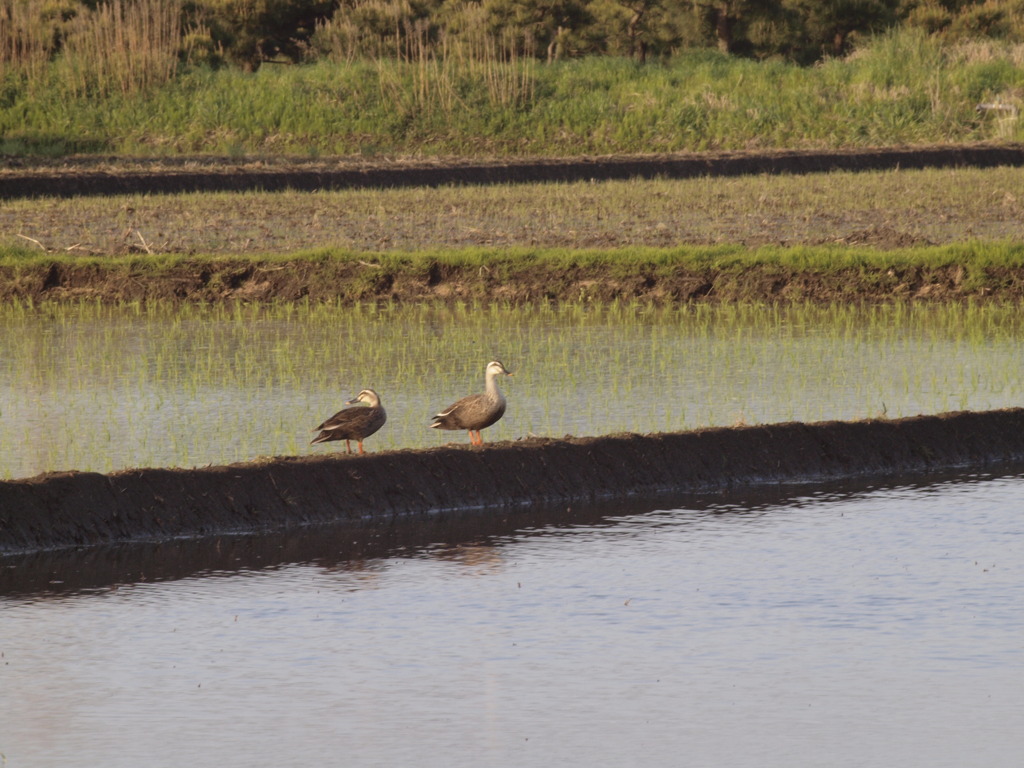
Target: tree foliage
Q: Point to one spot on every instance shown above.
(249, 33)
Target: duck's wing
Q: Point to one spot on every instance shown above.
(374, 420)
(459, 407)
(342, 418)
(352, 424)
(473, 412)
(497, 410)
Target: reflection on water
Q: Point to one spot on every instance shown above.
(836, 627)
(96, 388)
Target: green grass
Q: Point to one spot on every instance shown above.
(620, 261)
(899, 89)
(515, 276)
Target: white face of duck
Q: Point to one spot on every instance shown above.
(494, 368)
(367, 396)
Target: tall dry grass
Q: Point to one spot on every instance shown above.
(27, 38)
(421, 68)
(121, 46)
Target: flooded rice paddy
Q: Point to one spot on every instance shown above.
(94, 387)
(837, 626)
(832, 625)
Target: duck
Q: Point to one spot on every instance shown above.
(476, 412)
(353, 423)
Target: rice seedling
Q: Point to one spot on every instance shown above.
(97, 387)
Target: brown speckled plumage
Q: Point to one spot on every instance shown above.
(353, 423)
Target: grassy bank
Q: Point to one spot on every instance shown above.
(901, 89)
(523, 275)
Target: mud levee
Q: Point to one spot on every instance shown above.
(79, 176)
(249, 280)
(80, 509)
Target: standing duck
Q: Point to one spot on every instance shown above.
(353, 423)
(476, 412)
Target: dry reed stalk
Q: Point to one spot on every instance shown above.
(388, 33)
(27, 38)
(123, 45)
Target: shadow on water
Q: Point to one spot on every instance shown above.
(361, 546)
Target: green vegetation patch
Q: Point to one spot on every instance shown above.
(620, 260)
(525, 275)
(902, 88)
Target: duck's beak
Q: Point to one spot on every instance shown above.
(353, 401)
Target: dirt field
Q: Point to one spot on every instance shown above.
(81, 509)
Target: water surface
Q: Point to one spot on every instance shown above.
(101, 388)
(839, 627)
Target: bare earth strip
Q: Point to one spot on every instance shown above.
(106, 176)
(885, 209)
(74, 509)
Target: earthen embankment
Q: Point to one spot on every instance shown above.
(82, 509)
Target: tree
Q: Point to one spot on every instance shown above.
(540, 24)
(254, 31)
(829, 24)
(637, 29)
(729, 21)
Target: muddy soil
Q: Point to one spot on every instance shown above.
(73, 509)
(114, 176)
(240, 279)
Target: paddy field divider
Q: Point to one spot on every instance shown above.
(82, 509)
